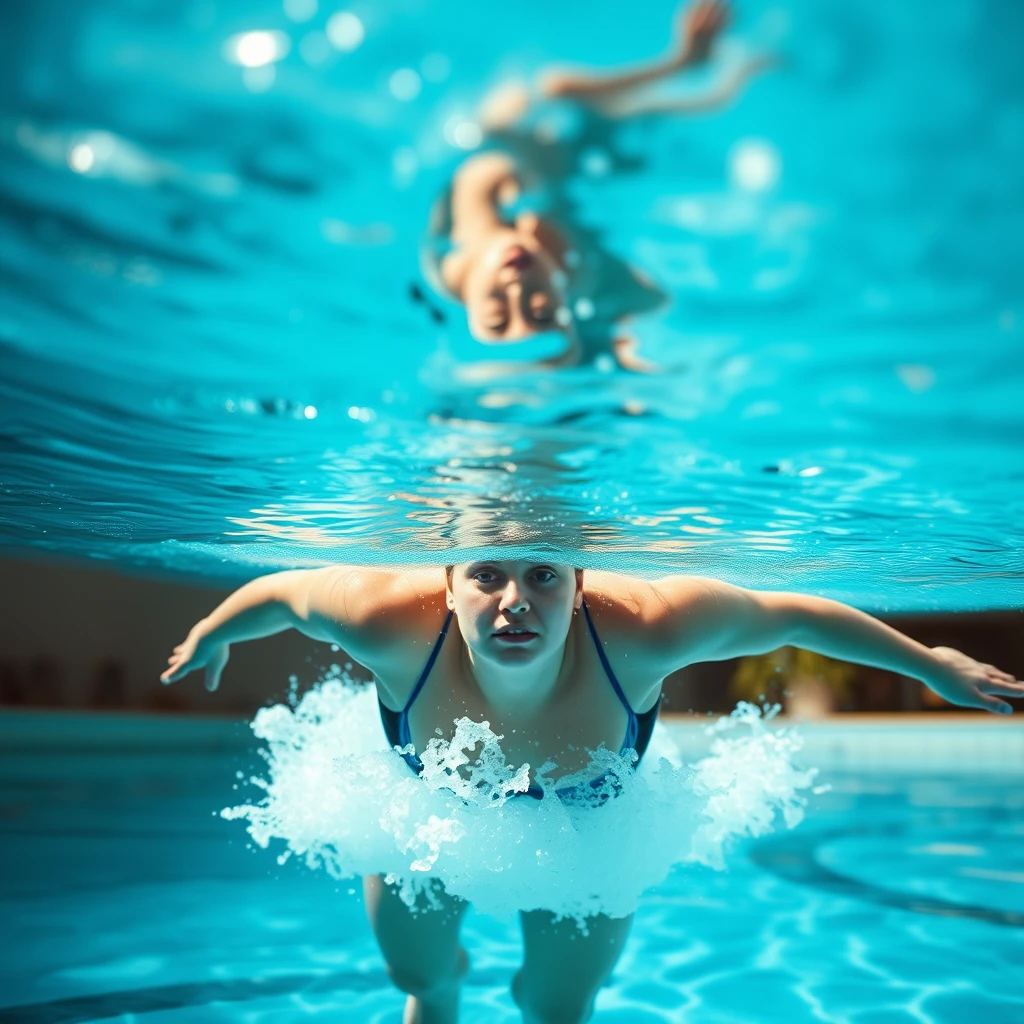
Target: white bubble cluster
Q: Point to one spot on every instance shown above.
(339, 799)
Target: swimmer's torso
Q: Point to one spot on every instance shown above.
(582, 712)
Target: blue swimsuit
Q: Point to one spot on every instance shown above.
(638, 727)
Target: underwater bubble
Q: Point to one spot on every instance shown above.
(300, 10)
(466, 135)
(754, 165)
(81, 158)
(345, 31)
(584, 308)
(257, 49)
(595, 163)
(405, 85)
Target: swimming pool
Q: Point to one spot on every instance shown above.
(211, 363)
(125, 897)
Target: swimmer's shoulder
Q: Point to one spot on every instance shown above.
(636, 613)
(385, 612)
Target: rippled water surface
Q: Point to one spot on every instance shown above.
(210, 359)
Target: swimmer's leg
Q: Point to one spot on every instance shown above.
(563, 968)
(421, 949)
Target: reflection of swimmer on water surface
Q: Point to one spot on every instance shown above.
(561, 663)
(507, 241)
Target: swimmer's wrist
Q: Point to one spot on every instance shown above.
(939, 667)
(684, 57)
(203, 628)
(210, 635)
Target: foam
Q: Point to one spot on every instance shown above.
(343, 802)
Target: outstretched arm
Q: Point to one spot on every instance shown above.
(723, 92)
(704, 620)
(701, 23)
(339, 604)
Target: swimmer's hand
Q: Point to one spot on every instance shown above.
(969, 683)
(198, 650)
(700, 24)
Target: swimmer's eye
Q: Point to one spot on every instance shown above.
(485, 576)
(544, 576)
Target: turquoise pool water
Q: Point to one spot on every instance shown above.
(210, 362)
(125, 897)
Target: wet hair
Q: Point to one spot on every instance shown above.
(449, 569)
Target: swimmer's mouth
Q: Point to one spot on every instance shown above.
(515, 635)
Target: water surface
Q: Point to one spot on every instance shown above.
(210, 362)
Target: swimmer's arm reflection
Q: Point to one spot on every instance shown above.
(706, 620)
(700, 24)
(346, 605)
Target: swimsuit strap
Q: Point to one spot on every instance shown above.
(632, 725)
(403, 717)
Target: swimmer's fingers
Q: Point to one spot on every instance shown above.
(717, 16)
(184, 659)
(701, 23)
(962, 680)
(1013, 688)
(179, 668)
(999, 674)
(985, 693)
(991, 703)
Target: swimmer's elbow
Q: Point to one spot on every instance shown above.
(783, 618)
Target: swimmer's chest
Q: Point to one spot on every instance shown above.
(577, 720)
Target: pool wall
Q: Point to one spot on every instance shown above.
(65, 628)
(958, 744)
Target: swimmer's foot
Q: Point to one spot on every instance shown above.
(442, 1006)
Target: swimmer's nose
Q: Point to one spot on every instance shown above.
(518, 257)
(513, 600)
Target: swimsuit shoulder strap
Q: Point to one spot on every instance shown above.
(429, 665)
(632, 726)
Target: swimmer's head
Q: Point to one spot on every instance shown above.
(511, 281)
(514, 612)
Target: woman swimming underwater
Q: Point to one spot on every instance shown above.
(561, 663)
(519, 272)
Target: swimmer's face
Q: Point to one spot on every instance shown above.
(511, 290)
(514, 612)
